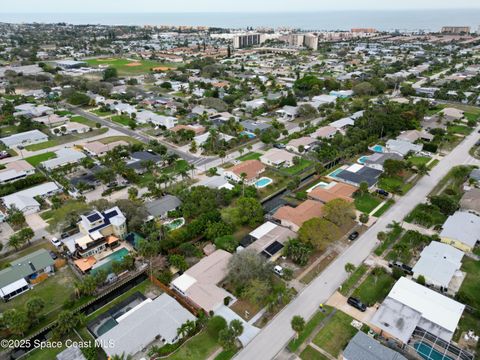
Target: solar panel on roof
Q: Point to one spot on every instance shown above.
(274, 248)
(93, 217)
(267, 255)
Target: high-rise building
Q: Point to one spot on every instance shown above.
(364, 30)
(456, 30)
(246, 40)
(308, 40)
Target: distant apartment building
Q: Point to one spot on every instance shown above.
(299, 40)
(246, 40)
(456, 30)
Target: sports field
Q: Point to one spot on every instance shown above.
(130, 67)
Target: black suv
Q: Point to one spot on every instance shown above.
(382, 192)
(357, 304)
(353, 236)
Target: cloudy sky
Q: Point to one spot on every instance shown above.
(89, 6)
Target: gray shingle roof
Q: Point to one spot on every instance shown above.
(163, 205)
(363, 347)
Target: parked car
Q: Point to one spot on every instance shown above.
(57, 243)
(357, 304)
(53, 254)
(279, 146)
(278, 270)
(353, 236)
(399, 265)
(4, 155)
(382, 192)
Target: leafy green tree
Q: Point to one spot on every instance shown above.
(257, 291)
(110, 73)
(339, 211)
(319, 233)
(297, 251)
(17, 321)
(215, 325)
(34, 306)
(178, 261)
(246, 266)
(349, 268)
(67, 321)
(298, 324)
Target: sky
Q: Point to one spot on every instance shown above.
(159, 6)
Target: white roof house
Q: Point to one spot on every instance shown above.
(147, 116)
(324, 99)
(402, 147)
(15, 170)
(342, 123)
(25, 200)
(277, 157)
(438, 263)
(140, 326)
(24, 138)
(462, 227)
(410, 305)
(63, 157)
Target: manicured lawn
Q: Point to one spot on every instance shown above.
(353, 279)
(101, 113)
(177, 167)
(250, 156)
(419, 160)
(59, 140)
(470, 291)
(121, 119)
(316, 319)
(311, 354)
(384, 208)
(226, 354)
(200, 346)
(471, 116)
(126, 67)
(395, 185)
(128, 139)
(460, 129)
(467, 322)
(37, 159)
(366, 203)
(8, 130)
(43, 145)
(84, 121)
(336, 334)
(296, 169)
(375, 287)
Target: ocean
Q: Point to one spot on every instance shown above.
(403, 20)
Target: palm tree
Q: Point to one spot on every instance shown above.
(243, 177)
(298, 324)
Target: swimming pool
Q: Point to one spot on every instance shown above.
(335, 173)
(249, 134)
(378, 149)
(106, 263)
(428, 353)
(263, 182)
(175, 224)
(321, 184)
(362, 159)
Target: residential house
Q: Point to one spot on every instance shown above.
(215, 182)
(25, 200)
(287, 113)
(377, 160)
(197, 129)
(471, 200)
(461, 230)
(415, 135)
(70, 128)
(65, 156)
(199, 283)
(15, 170)
(255, 126)
(159, 209)
(17, 278)
(403, 148)
(147, 116)
(332, 191)
(251, 169)
(365, 347)
(325, 132)
(452, 114)
(150, 321)
(277, 158)
(140, 160)
(343, 124)
(254, 104)
(52, 120)
(97, 148)
(324, 99)
(356, 174)
(32, 110)
(410, 307)
(268, 240)
(300, 145)
(24, 139)
(440, 265)
(293, 218)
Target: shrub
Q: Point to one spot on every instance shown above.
(215, 325)
(421, 280)
(227, 243)
(165, 277)
(430, 147)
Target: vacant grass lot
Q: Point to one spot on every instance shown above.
(121, 119)
(426, 215)
(375, 287)
(410, 242)
(316, 319)
(250, 156)
(200, 346)
(459, 129)
(470, 291)
(84, 121)
(111, 139)
(129, 67)
(37, 159)
(64, 139)
(366, 203)
(311, 354)
(419, 160)
(336, 334)
(395, 185)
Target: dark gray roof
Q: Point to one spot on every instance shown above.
(363, 347)
(365, 174)
(163, 205)
(252, 126)
(146, 156)
(380, 158)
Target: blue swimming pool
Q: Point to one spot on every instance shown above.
(249, 134)
(378, 148)
(428, 353)
(362, 160)
(263, 182)
(106, 263)
(335, 173)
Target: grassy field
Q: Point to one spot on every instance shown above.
(129, 67)
(311, 354)
(426, 215)
(384, 208)
(419, 160)
(353, 279)
(200, 346)
(410, 242)
(297, 169)
(101, 113)
(366, 203)
(250, 156)
(121, 119)
(392, 236)
(64, 139)
(37, 159)
(336, 334)
(470, 290)
(460, 129)
(316, 319)
(375, 287)
(177, 167)
(111, 139)
(395, 185)
(84, 121)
